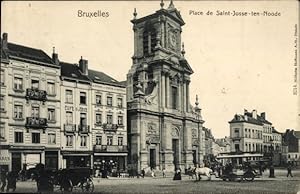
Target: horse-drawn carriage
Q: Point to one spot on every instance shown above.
(239, 166)
(64, 179)
(74, 178)
(238, 174)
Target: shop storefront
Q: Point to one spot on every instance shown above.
(112, 162)
(51, 159)
(76, 159)
(113, 157)
(26, 157)
(4, 159)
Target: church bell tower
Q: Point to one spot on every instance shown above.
(164, 130)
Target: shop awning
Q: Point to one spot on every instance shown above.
(27, 149)
(110, 154)
(76, 153)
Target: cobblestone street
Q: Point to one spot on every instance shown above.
(280, 184)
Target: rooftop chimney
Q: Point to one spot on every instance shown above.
(55, 57)
(4, 41)
(254, 114)
(263, 115)
(83, 66)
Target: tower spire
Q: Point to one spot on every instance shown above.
(162, 4)
(171, 5)
(53, 49)
(197, 109)
(197, 101)
(134, 13)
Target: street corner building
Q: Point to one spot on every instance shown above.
(30, 107)
(164, 129)
(60, 114)
(253, 133)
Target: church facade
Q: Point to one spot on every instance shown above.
(164, 129)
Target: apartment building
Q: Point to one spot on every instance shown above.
(30, 107)
(94, 118)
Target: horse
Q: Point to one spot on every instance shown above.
(191, 172)
(203, 171)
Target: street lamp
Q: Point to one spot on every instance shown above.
(272, 170)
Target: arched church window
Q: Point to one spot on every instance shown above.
(149, 38)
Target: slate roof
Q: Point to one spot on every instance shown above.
(275, 131)
(124, 83)
(242, 118)
(263, 120)
(68, 70)
(100, 77)
(26, 53)
(72, 71)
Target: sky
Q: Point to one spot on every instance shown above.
(239, 62)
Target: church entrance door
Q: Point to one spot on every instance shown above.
(175, 147)
(152, 158)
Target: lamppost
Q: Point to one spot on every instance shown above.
(272, 170)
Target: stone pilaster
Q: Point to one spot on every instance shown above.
(144, 159)
(135, 40)
(168, 99)
(143, 136)
(138, 139)
(184, 97)
(179, 96)
(163, 89)
(188, 96)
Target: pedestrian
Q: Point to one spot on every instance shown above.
(3, 179)
(118, 172)
(219, 170)
(43, 179)
(11, 181)
(289, 170)
(260, 168)
(177, 175)
(164, 173)
(143, 172)
(152, 173)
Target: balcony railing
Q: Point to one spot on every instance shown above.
(36, 122)
(110, 148)
(70, 127)
(83, 128)
(36, 94)
(236, 138)
(110, 127)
